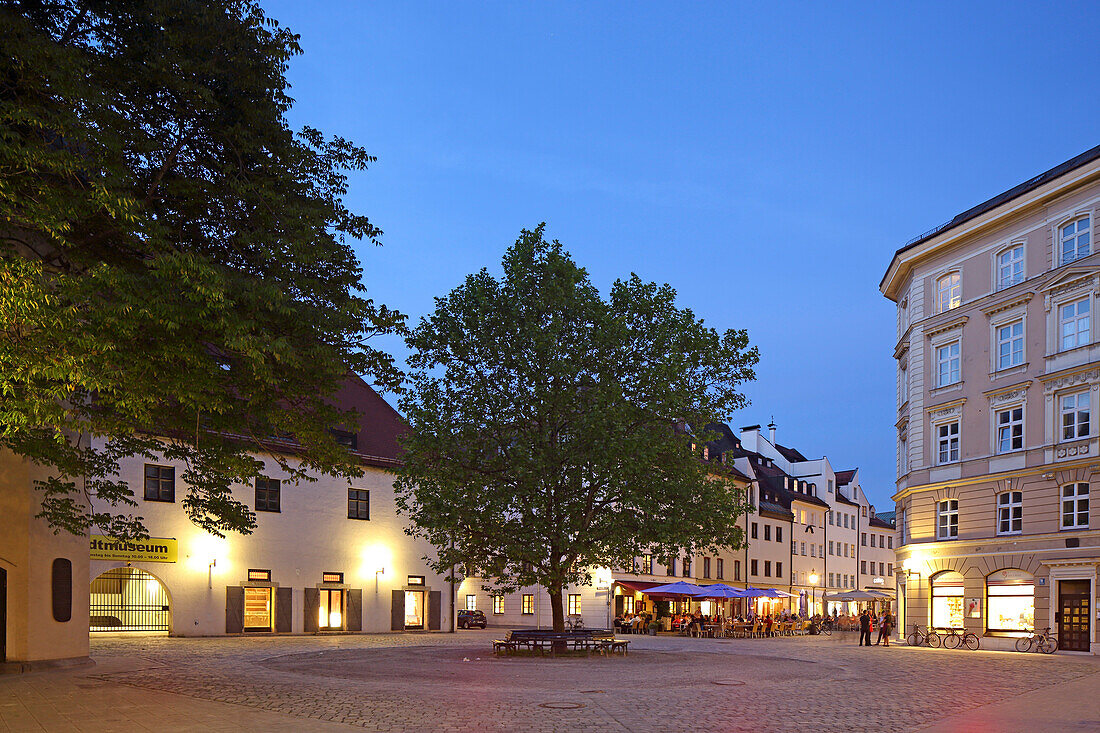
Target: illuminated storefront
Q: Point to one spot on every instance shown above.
(1010, 601)
(947, 600)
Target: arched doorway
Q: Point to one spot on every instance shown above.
(129, 599)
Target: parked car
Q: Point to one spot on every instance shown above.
(470, 619)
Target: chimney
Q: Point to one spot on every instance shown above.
(771, 431)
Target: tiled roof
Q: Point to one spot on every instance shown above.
(845, 500)
(878, 521)
(791, 454)
(843, 478)
(380, 425)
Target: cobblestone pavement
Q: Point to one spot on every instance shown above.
(442, 682)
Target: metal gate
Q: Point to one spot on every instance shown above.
(128, 599)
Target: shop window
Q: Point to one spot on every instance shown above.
(527, 605)
(498, 605)
(947, 600)
(330, 609)
(628, 604)
(1011, 605)
(257, 609)
(574, 604)
(267, 494)
(358, 504)
(160, 483)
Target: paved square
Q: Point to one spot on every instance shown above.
(428, 682)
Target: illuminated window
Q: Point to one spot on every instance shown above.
(1075, 506)
(628, 604)
(1010, 512)
(574, 604)
(498, 605)
(1011, 605)
(1010, 267)
(948, 292)
(647, 564)
(1074, 324)
(471, 603)
(527, 606)
(267, 494)
(1010, 345)
(1010, 429)
(160, 483)
(1075, 239)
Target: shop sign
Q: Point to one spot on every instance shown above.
(332, 577)
(154, 549)
(974, 607)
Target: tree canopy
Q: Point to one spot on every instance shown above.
(549, 425)
(177, 275)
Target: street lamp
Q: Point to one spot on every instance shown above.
(813, 592)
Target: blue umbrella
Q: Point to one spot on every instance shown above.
(719, 590)
(679, 588)
(761, 593)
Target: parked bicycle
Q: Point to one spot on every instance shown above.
(952, 639)
(1046, 642)
(826, 626)
(922, 635)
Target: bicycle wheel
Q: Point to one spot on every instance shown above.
(951, 641)
(1023, 644)
(972, 642)
(1048, 645)
(933, 639)
(913, 639)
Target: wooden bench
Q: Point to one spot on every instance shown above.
(599, 640)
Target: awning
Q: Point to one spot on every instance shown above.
(639, 586)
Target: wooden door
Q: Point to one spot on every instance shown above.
(397, 611)
(435, 610)
(3, 615)
(1073, 615)
(234, 609)
(312, 602)
(355, 610)
(284, 609)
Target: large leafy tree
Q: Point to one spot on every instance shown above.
(176, 270)
(550, 425)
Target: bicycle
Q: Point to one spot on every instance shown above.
(1046, 642)
(826, 626)
(918, 637)
(952, 639)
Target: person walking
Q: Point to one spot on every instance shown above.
(885, 627)
(865, 628)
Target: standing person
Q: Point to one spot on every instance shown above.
(865, 628)
(885, 627)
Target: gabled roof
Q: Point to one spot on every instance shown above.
(843, 478)
(878, 521)
(380, 426)
(845, 500)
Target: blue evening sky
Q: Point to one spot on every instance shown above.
(765, 159)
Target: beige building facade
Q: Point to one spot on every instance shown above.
(998, 379)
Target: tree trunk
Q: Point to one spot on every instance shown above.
(557, 608)
(558, 612)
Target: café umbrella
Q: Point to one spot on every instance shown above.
(719, 590)
(679, 588)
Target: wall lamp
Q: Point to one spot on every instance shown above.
(210, 573)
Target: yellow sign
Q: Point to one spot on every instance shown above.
(154, 549)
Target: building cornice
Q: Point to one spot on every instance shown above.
(986, 477)
(946, 326)
(994, 308)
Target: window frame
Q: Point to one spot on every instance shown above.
(947, 519)
(1080, 337)
(1061, 237)
(940, 362)
(358, 502)
(1076, 424)
(952, 291)
(1002, 283)
(1015, 358)
(1010, 512)
(1075, 501)
(267, 489)
(160, 483)
(574, 604)
(498, 604)
(937, 439)
(527, 604)
(1015, 427)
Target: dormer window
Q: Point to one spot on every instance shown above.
(1010, 267)
(948, 292)
(1075, 239)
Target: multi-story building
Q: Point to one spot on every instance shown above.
(326, 555)
(998, 368)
